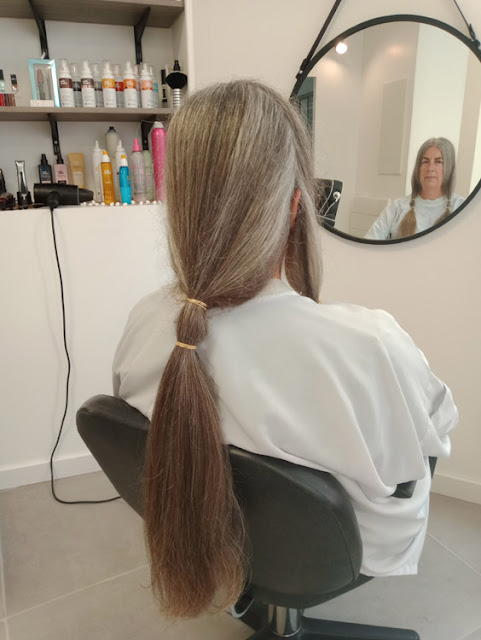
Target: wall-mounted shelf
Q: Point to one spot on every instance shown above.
(163, 13)
(81, 114)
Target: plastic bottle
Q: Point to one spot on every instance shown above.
(146, 88)
(130, 87)
(65, 85)
(97, 157)
(137, 80)
(99, 98)
(108, 85)
(155, 87)
(88, 88)
(119, 85)
(158, 159)
(119, 151)
(107, 179)
(76, 85)
(45, 171)
(111, 141)
(60, 171)
(149, 175)
(138, 173)
(124, 180)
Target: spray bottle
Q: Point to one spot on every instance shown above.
(130, 87)
(138, 173)
(87, 85)
(107, 179)
(65, 85)
(97, 157)
(108, 85)
(158, 159)
(124, 180)
(99, 97)
(119, 151)
(76, 85)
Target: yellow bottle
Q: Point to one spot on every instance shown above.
(107, 179)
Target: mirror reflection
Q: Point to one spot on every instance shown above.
(396, 128)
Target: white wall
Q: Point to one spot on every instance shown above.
(431, 284)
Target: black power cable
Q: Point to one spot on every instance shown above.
(53, 202)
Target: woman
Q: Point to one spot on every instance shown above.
(248, 359)
(431, 199)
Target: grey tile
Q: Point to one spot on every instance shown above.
(51, 549)
(3, 630)
(457, 525)
(441, 603)
(476, 635)
(120, 609)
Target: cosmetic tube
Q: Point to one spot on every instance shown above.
(158, 159)
(60, 172)
(137, 164)
(45, 171)
(23, 194)
(97, 156)
(77, 169)
(124, 181)
(107, 179)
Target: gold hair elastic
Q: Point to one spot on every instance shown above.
(197, 302)
(186, 346)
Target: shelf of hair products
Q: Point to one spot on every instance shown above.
(119, 177)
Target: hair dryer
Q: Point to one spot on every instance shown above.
(55, 195)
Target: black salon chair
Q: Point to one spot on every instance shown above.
(305, 546)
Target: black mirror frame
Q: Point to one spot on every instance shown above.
(471, 44)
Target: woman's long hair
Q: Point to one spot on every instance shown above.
(236, 152)
(408, 223)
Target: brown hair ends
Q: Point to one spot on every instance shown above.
(236, 152)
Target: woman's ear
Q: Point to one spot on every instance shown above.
(294, 205)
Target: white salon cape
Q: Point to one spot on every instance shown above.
(428, 212)
(335, 387)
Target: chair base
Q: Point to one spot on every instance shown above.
(312, 629)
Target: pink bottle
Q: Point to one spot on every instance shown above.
(158, 159)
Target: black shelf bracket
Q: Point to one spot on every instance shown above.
(42, 32)
(55, 138)
(146, 126)
(138, 33)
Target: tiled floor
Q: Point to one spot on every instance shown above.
(78, 572)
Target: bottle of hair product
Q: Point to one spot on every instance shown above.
(158, 159)
(76, 84)
(60, 171)
(87, 83)
(2, 82)
(111, 141)
(137, 80)
(45, 171)
(146, 88)
(138, 173)
(155, 87)
(130, 87)
(97, 157)
(165, 89)
(107, 179)
(108, 85)
(119, 86)
(99, 97)
(65, 85)
(149, 175)
(124, 181)
(119, 151)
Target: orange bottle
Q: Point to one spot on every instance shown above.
(107, 179)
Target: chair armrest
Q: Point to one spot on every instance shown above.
(406, 489)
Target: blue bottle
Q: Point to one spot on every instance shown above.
(124, 181)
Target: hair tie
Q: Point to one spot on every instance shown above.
(186, 346)
(197, 302)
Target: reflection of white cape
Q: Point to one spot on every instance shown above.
(328, 386)
(427, 212)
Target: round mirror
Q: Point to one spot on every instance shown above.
(393, 105)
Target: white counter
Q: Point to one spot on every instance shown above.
(110, 257)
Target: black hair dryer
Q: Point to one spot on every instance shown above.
(55, 195)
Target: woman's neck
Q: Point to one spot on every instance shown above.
(431, 194)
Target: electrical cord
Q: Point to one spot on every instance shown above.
(53, 202)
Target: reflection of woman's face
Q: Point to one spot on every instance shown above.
(431, 173)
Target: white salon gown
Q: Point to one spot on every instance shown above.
(335, 387)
